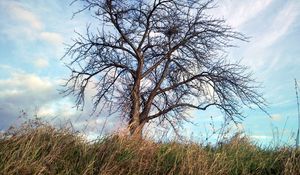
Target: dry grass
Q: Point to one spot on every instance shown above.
(36, 148)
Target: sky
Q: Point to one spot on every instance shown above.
(33, 38)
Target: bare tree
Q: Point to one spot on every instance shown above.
(156, 59)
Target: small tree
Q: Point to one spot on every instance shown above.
(156, 59)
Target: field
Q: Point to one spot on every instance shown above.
(38, 148)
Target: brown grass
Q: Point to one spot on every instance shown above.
(37, 148)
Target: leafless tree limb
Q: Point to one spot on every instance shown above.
(158, 59)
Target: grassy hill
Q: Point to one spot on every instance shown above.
(37, 148)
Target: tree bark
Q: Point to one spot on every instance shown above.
(135, 123)
(135, 119)
(136, 130)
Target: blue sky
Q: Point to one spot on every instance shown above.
(32, 34)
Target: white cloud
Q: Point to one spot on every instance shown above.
(52, 37)
(23, 15)
(61, 108)
(280, 26)
(24, 81)
(276, 117)
(261, 137)
(23, 24)
(33, 94)
(237, 12)
(23, 91)
(259, 53)
(45, 111)
(41, 62)
(38, 95)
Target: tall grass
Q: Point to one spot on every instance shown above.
(37, 148)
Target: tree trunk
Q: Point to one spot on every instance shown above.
(136, 129)
(134, 124)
